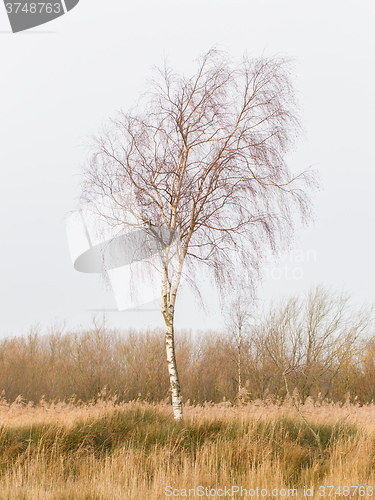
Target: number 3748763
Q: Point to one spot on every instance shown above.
(346, 491)
(33, 8)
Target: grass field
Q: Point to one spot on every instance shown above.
(106, 450)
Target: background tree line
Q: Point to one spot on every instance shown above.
(320, 346)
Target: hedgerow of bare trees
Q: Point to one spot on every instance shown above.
(204, 158)
(323, 345)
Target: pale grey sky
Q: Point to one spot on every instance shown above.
(61, 81)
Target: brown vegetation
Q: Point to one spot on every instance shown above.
(280, 418)
(321, 346)
(135, 450)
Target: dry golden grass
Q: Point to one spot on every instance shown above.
(134, 450)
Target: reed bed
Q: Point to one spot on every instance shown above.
(110, 450)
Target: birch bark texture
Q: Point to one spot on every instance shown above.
(205, 158)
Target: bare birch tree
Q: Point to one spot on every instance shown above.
(238, 324)
(204, 157)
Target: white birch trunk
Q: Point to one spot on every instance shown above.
(168, 300)
(173, 374)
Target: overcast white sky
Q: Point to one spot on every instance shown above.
(61, 81)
